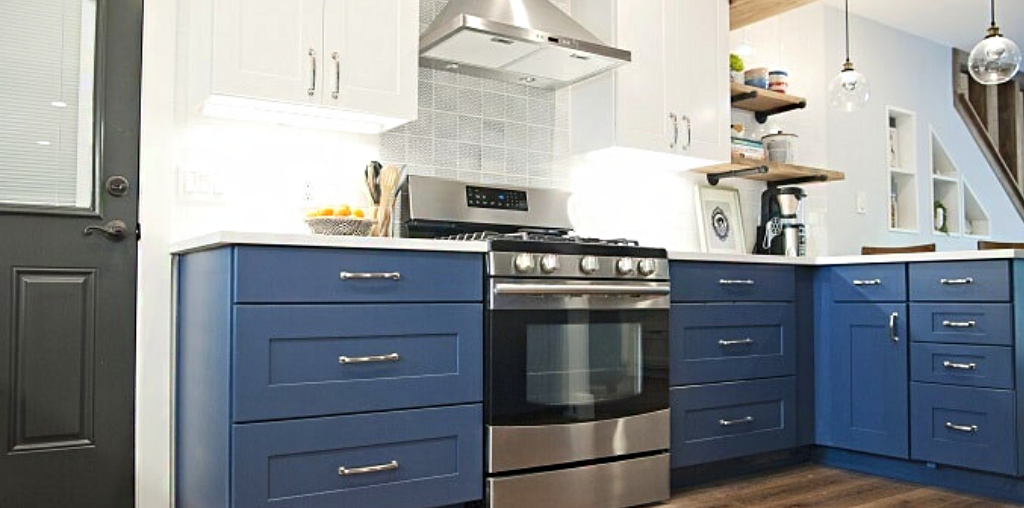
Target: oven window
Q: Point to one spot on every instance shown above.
(579, 364)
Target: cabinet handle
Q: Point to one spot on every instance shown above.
(312, 86)
(689, 132)
(675, 131)
(337, 75)
(741, 342)
(970, 429)
(371, 276)
(741, 421)
(956, 282)
(729, 282)
(959, 324)
(872, 282)
(893, 336)
(345, 360)
(390, 466)
(960, 366)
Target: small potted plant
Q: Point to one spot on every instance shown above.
(941, 218)
(736, 67)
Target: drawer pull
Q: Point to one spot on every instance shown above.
(390, 466)
(893, 336)
(970, 429)
(741, 421)
(956, 282)
(742, 342)
(959, 366)
(872, 282)
(345, 360)
(959, 324)
(728, 282)
(371, 276)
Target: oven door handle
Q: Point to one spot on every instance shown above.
(580, 289)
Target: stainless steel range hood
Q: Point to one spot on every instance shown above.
(520, 41)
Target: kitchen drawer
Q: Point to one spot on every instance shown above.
(728, 420)
(289, 358)
(322, 275)
(429, 457)
(972, 428)
(869, 283)
(954, 364)
(733, 282)
(732, 341)
(975, 281)
(962, 323)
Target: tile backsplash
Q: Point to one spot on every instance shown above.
(482, 130)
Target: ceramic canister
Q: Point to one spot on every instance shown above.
(778, 81)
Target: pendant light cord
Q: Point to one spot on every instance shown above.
(993, 12)
(848, 30)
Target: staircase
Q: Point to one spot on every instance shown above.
(995, 117)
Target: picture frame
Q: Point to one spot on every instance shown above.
(720, 221)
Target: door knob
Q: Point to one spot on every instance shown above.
(115, 230)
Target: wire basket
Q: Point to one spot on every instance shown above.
(339, 226)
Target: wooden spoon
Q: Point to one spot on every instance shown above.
(389, 177)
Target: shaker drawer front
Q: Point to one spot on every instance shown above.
(407, 459)
(981, 366)
(300, 360)
(972, 428)
(322, 275)
(962, 323)
(975, 281)
(728, 420)
(719, 282)
(729, 342)
(869, 283)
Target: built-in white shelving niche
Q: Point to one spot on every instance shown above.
(945, 190)
(901, 156)
(976, 220)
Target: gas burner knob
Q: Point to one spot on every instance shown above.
(625, 266)
(524, 263)
(589, 265)
(647, 267)
(549, 263)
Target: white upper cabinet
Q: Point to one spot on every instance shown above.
(673, 98)
(338, 64)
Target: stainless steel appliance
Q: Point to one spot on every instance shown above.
(782, 231)
(576, 396)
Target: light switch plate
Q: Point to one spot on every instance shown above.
(862, 203)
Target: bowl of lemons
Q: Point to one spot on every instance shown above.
(339, 221)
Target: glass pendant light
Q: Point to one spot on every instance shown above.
(996, 59)
(848, 91)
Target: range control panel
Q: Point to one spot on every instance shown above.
(500, 199)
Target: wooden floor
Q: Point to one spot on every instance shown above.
(810, 486)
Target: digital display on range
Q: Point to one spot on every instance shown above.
(499, 199)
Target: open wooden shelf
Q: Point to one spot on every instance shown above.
(776, 172)
(763, 103)
(747, 12)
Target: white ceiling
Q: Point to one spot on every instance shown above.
(957, 23)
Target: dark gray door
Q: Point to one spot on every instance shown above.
(69, 143)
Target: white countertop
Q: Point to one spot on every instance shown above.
(965, 255)
(225, 238)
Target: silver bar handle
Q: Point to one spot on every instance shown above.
(337, 75)
(390, 466)
(580, 289)
(959, 324)
(872, 282)
(728, 282)
(741, 421)
(960, 366)
(689, 132)
(312, 86)
(956, 282)
(741, 342)
(370, 276)
(346, 360)
(893, 336)
(675, 130)
(971, 429)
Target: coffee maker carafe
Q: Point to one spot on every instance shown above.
(782, 231)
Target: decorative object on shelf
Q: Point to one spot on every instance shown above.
(996, 59)
(736, 67)
(778, 81)
(894, 208)
(849, 91)
(757, 78)
(941, 218)
(720, 221)
(894, 148)
(780, 147)
(747, 149)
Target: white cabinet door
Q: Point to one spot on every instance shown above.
(269, 49)
(372, 55)
(701, 81)
(642, 109)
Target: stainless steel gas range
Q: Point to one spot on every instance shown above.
(576, 344)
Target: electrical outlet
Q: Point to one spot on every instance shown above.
(862, 203)
(307, 193)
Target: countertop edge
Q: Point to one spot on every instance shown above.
(847, 260)
(227, 238)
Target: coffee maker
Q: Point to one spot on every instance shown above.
(782, 231)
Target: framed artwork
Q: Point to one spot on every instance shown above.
(719, 221)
